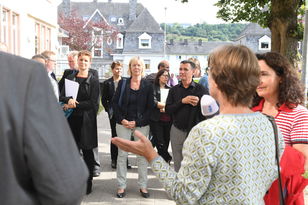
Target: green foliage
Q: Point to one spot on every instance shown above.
(206, 32)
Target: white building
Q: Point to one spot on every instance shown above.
(28, 27)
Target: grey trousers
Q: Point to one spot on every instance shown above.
(142, 163)
(177, 139)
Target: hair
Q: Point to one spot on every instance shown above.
(48, 54)
(291, 91)
(72, 54)
(38, 56)
(160, 73)
(196, 62)
(116, 63)
(162, 64)
(85, 53)
(192, 64)
(136, 58)
(235, 70)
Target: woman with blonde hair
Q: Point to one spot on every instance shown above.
(230, 158)
(132, 105)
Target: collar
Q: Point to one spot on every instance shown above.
(283, 107)
(192, 84)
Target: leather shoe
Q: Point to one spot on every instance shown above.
(129, 166)
(144, 194)
(96, 173)
(113, 164)
(121, 195)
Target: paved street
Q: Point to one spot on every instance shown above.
(105, 186)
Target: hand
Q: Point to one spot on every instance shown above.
(65, 107)
(72, 103)
(142, 147)
(162, 110)
(131, 124)
(125, 123)
(190, 99)
(161, 105)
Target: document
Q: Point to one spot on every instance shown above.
(71, 88)
(163, 95)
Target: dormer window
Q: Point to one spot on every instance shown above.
(120, 41)
(265, 43)
(145, 41)
(120, 21)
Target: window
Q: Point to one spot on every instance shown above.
(120, 41)
(145, 41)
(120, 21)
(265, 43)
(97, 40)
(15, 34)
(5, 27)
(147, 63)
(42, 37)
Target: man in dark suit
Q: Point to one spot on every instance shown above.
(40, 163)
(72, 59)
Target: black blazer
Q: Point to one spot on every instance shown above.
(70, 71)
(89, 108)
(144, 106)
(155, 115)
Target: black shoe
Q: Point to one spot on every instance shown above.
(129, 166)
(144, 194)
(89, 187)
(113, 164)
(121, 195)
(96, 173)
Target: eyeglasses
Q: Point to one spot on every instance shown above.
(167, 76)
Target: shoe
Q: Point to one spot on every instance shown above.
(129, 166)
(89, 187)
(96, 173)
(121, 195)
(144, 194)
(113, 164)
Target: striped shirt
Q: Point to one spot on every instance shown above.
(292, 123)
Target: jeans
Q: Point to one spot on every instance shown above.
(142, 163)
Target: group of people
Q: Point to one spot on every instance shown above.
(228, 158)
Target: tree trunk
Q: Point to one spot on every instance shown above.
(283, 25)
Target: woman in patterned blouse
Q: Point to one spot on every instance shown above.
(230, 158)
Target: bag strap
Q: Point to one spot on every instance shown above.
(272, 120)
(122, 91)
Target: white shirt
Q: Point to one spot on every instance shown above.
(54, 85)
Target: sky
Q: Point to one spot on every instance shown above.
(195, 11)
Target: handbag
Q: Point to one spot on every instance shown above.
(67, 112)
(272, 120)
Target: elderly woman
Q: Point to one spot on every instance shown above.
(280, 95)
(132, 105)
(222, 163)
(83, 118)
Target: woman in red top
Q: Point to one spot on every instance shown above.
(280, 95)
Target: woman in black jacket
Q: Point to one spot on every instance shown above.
(160, 123)
(83, 118)
(132, 105)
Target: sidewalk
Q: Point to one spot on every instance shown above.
(105, 186)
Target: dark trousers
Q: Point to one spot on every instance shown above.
(113, 148)
(161, 134)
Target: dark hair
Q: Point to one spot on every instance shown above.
(116, 63)
(160, 73)
(291, 91)
(235, 70)
(192, 64)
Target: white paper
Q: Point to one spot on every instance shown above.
(163, 95)
(71, 88)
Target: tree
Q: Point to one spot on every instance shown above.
(280, 16)
(84, 35)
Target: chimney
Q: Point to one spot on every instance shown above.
(185, 42)
(200, 42)
(132, 10)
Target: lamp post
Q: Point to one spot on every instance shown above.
(305, 52)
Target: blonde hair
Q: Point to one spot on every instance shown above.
(134, 59)
(235, 70)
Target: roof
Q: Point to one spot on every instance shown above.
(145, 23)
(254, 29)
(144, 20)
(193, 48)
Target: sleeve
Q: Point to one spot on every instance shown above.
(93, 100)
(155, 96)
(105, 94)
(58, 172)
(191, 182)
(299, 132)
(172, 105)
(116, 109)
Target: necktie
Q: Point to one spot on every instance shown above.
(53, 76)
